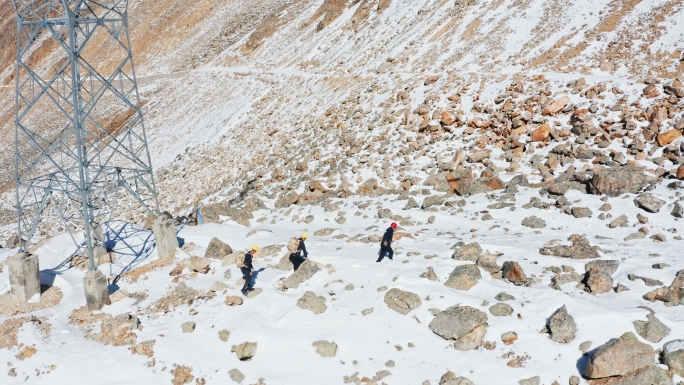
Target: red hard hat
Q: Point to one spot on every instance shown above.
(394, 225)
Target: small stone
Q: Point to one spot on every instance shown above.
(512, 271)
(464, 277)
(309, 301)
(223, 335)
(530, 381)
(509, 337)
(325, 348)
(366, 311)
(649, 203)
(651, 330)
(389, 364)
(504, 297)
(188, 327)
(562, 326)
(245, 351)
(402, 301)
(236, 375)
(620, 221)
(501, 310)
(584, 347)
(534, 222)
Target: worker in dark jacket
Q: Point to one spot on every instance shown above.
(386, 243)
(247, 269)
(301, 255)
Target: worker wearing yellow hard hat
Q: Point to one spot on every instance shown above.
(247, 270)
(297, 249)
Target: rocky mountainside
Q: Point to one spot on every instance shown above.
(530, 151)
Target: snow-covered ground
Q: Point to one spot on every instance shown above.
(284, 332)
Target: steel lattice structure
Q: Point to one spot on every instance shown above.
(79, 134)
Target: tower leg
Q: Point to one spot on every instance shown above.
(96, 291)
(24, 277)
(165, 236)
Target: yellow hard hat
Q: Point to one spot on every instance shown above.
(255, 248)
(304, 235)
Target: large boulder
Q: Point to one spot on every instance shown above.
(402, 301)
(580, 249)
(464, 277)
(650, 375)
(598, 275)
(649, 203)
(672, 295)
(616, 181)
(306, 270)
(463, 324)
(512, 271)
(467, 252)
(217, 249)
(652, 330)
(309, 301)
(561, 326)
(619, 357)
(673, 356)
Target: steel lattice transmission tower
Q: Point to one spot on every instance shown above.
(80, 139)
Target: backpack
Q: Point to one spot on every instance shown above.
(293, 245)
(240, 260)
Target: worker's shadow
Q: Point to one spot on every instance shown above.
(255, 274)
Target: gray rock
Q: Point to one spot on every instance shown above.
(325, 348)
(501, 310)
(512, 271)
(245, 351)
(651, 330)
(585, 346)
(324, 232)
(605, 266)
(616, 181)
(384, 213)
(650, 375)
(411, 204)
(619, 357)
(367, 311)
(561, 279)
(309, 301)
(672, 295)
(468, 252)
(637, 235)
(620, 221)
(224, 335)
(580, 249)
(464, 324)
(534, 222)
(254, 292)
(402, 301)
(530, 381)
(488, 263)
(677, 211)
(218, 286)
(429, 274)
(434, 200)
(649, 203)
(188, 327)
(463, 277)
(561, 326)
(504, 297)
(449, 378)
(236, 375)
(217, 249)
(673, 356)
(306, 270)
(581, 212)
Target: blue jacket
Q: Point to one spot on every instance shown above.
(302, 249)
(248, 261)
(389, 233)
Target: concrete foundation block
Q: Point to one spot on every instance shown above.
(96, 290)
(24, 277)
(165, 237)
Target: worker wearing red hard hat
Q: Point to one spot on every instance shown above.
(386, 243)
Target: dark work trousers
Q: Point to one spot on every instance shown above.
(385, 249)
(247, 277)
(296, 260)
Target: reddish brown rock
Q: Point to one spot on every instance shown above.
(668, 137)
(514, 273)
(680, 171)
(447, 118)
(556, 105)
(541, 133)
